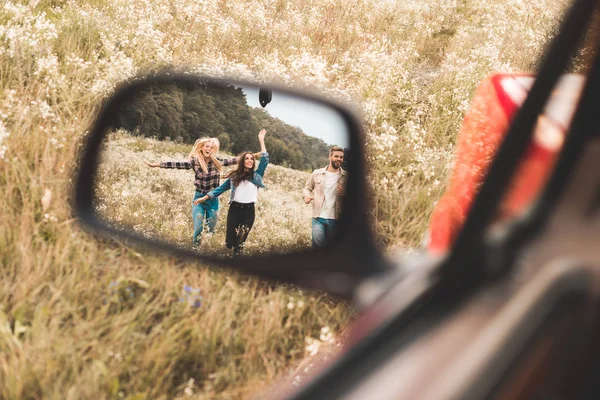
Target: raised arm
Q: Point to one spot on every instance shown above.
(261, 140)
(264, 156)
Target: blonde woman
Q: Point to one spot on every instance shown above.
(207, 169)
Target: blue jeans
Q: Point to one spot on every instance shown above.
(206, 211)
(322, 230)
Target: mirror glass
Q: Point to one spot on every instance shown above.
(223, 169)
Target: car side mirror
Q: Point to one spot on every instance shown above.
(197, 167)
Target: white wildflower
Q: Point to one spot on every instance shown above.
(3, 135)
(46, 199)
(312, 346)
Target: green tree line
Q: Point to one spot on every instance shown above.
(187, 112)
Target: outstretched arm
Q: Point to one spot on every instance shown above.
(170, 164)
(229, 161)
(225, 186)
(201, 199)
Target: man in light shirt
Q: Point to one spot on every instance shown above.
(325, 188)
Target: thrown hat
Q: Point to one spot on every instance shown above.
(264, 97)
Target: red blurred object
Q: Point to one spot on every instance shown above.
(494, 105)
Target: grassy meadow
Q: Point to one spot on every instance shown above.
(86, 317)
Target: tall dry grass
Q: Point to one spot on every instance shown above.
(86, 317)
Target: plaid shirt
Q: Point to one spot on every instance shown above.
(204, 182)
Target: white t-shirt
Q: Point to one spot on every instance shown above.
(246, 192)
(330, 192)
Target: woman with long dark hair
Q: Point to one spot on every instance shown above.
(244, 183)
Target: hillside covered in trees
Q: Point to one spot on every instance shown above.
(186, 112)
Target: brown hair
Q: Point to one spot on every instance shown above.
(335, 148)
(241, 173)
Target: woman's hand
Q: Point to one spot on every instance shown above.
(200, 200)
(261, 135)
(154, 165)
(261, 139)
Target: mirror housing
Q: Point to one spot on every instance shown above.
(336, 268)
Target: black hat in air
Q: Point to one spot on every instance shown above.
(264, 97)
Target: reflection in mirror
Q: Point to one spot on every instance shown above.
(224, 170)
